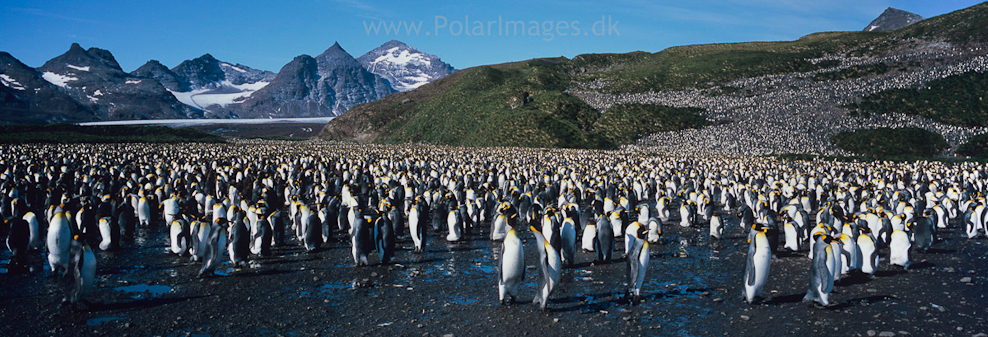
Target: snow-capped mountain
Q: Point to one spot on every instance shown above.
(406, 68)
(205, 82)
(26, 97)
(321, 86)
(893, 19)
(93, 78)
(89, 85)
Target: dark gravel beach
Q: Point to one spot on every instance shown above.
(693, 287)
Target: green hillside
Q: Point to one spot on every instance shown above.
(886, 142)
(960, 100)
(526, 103)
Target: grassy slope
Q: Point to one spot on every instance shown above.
(976, 147)
(472, 106)
(885, 142)
(960, 100)
(67, 133)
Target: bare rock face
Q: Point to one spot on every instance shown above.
(321, 86)
(893, 19)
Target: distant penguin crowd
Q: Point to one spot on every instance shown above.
(234, 202)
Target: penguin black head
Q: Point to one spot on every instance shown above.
(642, 232)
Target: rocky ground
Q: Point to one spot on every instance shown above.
(693, 287)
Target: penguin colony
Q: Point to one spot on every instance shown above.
(234, 202)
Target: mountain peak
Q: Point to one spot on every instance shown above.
(405, 67)
(334, 51)
(892, 19)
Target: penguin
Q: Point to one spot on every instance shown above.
(143, 211)
(264, 238)
(618, 222)
(215, 246)
(793, 235)
(360, 239)
(923, 230)
(106, 234)
(655, 229)
(550, 269)
(512, 271)
(179, 237)
(397, 220)
(58, 242)
(589, 236)
(850, 254)
(499, 225)
(899, 249)
(629, 236)
(384, 239)
(638, 257)
(82, 271)
(239, 246)
(312, 235)
(869, 251)
(684, 215)
(126, 220)
(567, 234)
(416, 226)
(716, 227)
(34, 231)
(18, 241)
(200, 239)
(455, 225)
(604, 241)
(821, 277)
(970, 224)
(757, 263)
(302, 222)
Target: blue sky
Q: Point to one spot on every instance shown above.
(268, 34)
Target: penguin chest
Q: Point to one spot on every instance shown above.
(761, 259)
(512, 260)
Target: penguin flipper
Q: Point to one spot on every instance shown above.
(750, 266)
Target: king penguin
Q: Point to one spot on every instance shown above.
(923, 230)
(550, 268)
(637, 263)
(82, 271)
(200, 239)
(18, 241)
(899, 249)
(312, 237)
(58, 241)
(179, 237)
(34, 229)
(758, 262)
(869, 251)
(384, 238)
(360, 239)
(589, 235)
(567, 233)
(239, 246)
(716, 226)
(215, 246)
(416, 225)
(821, 279)
(512, 272)
(604, 241)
